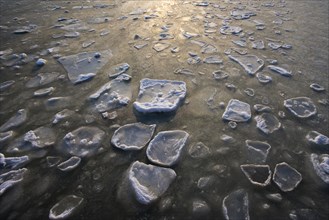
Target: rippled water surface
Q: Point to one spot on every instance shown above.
(43, 73)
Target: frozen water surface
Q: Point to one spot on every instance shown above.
(246, 80)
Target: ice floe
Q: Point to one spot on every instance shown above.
(259, 175)
(257, 151)
(159, 95)
(301, 107)
(16, 120)
(237, 111)
(321, 166)
(236, 205)
(65, 207)
(267, 123)
(132, 136)
(286, 177)
(146, 183)
(84, 66)
(69, 164)
(166, 147)
(11, 178)
(84, 141)
(250, 63)
(317, 138)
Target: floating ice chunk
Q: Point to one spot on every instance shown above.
(56, 103)
(236, 205)
(184, 71)
(65, 207)
(205, 182)
(209, 49)
(240, 43)
(301, 107)
(262, 78)
(316, 87)
(114, 94)
(11, 178)
(158, 47)
(258, 44)
(257, 151)
(190, 35)
(249, 92)
(280, 70)
(203, 4)
(146, 182)
(230, 30)
(199, 150)
(250, 63)
(166, 147)
(53, 161)
(267, 123)
(159, 95)
(118, 70)
(219, 74)
(286, 177)
(41, 62)
(6, 85)
(321, 166)
(42, 79)
(237, 111)
(275, 197)
(317, 138)
(62, 114)
(200, 208)
(132, 136)
(262, 108)
(69, 164)
(73, 34)
(274, 45)
(18, 119)
(213, 60)
(34, 139)
(88, 43)
(5, 136)
(259, 175)
(44, 92)
(239, 14)
(12, 162)
(84, 141)
(83, 65)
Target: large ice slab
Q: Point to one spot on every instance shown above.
(286, 177)
(237, 111)
(257, 151)
(159, 95)
(259, 175)
(250, 63)
(84, 141)
(302, 107)
(11, 178)
(321, 166)
(145, 183)
(114, 94)
(236, 205)
(132, 136)
(66, 207)
(267, 123)
(16, 120)
(166, 147)
(83, 66)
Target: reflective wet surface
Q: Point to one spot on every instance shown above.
(246, 82)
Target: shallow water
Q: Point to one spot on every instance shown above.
(301, 24)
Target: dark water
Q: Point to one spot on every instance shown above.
(302, 24)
